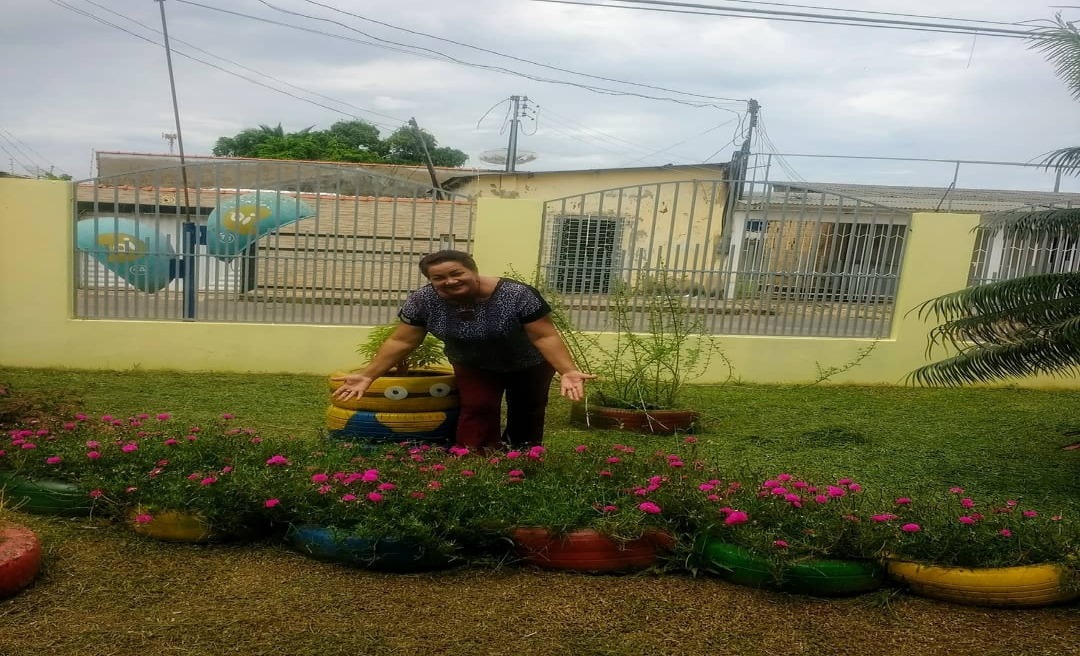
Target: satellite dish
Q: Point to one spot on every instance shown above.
(499, 156)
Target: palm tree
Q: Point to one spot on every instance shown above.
(1031, 324)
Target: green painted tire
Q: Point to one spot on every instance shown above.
(43, 497)
(819, 577)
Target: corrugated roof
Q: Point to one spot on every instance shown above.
(919, 199)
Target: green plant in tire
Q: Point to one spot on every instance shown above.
(428, 353)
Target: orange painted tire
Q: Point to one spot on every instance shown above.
(587, 550)
(423, 390)
(652, 422)
(173, 526)
(20, 558)
(1028, 586)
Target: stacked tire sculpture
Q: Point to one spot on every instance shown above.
(419, 407)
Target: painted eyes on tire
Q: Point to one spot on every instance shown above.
(396, 393)
(439, 389)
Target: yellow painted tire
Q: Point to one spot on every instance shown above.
(1017, 587)
(173, 526)
(391, 426)
(424, 390)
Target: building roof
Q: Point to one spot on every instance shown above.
(918, 199)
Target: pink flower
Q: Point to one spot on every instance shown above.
(129, 447)
(792, 498)
(956, 490)
(96, 494)
(226, 469)
(966, 520)
(1005, 533)
(910, 528)
(613, 460)
(836, 491)
(903, 501)
(706, 487)
(604, 473)
(516, 473)
(319, 478)
(536, 452)
(163, 416)
(209, 480)
(370, 476)
(649, 507)
(172, 441)
(821, 498)
(800, 485)
(374, 497)
(417, 495)
(28, 445)
(736, 517)
(80, 416)
(106, 418)
(270, 503)
(713, 497)
(778, 491)
(434, 485)
(438, 467)
(780, 544)
(277, 460)
(143, 519)
(690, 439)
(676, 463)
(467, 473)
(458, 451)
(52, 460)
(883, 517)
(324, 489)
(130, 489)
(581, 448)
(192, 437)
(348, 497)
(855, 487)
(227, 416)
(1030, 513)
(610, 509)
(844, 481)
(92, 444)
(255, 440)
(386, 487)
(967, 502)
(1010, 503)
(69, 425)
(93, 455)
(194, 476)
(513, 454)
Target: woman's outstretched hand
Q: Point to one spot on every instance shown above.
(572, 384)
(353, 386)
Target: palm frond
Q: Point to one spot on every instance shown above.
(1060, 44)
(1066, 160)
(1005, 296)
(1036, 224)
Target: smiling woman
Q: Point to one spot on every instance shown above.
(499, 338)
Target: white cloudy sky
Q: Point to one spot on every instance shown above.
(73, 85)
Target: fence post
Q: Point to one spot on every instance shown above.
(507, 236)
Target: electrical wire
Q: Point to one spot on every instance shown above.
(663, 150)
(522, 59)
(247, 68)
(841, 21)
(37, 168)
(31, 149)
(447, 58)
(17, 160)
(868, 11)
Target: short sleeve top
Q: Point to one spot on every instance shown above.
(487, 335)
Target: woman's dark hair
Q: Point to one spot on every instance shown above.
(438, 257)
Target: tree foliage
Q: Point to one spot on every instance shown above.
(344, 141)
(1031, 324)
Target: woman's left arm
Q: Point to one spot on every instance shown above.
(546, 338)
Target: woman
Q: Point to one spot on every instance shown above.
(499, 337)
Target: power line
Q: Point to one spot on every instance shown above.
(31, 149)
(522, 59)
(438, 56)
(64, 5)
(36, 167)
(822, 20)
(247, 68)
(17, 160)
(662, 150)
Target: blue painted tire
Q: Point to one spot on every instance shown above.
(819, 577)
(385, 554)
(44, 497)
(392, 427)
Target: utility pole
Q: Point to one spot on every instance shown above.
(736, 181)
(511, 148)
(741, 159)
(427, 158)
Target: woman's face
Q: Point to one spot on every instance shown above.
(454, 281)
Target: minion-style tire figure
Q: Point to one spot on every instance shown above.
(419, 407)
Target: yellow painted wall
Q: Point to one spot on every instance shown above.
(38, 331)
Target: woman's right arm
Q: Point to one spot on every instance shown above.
(396, 348)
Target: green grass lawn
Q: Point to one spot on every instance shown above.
(103, 590)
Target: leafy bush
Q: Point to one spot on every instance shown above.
(428, 353)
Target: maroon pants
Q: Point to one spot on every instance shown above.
(481, 406)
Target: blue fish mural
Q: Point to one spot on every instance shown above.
(236, 222)
(135, 251)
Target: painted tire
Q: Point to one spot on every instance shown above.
(20, 558)
(1017, 587)
(819, 577)
(44, 497)
(386, 554)
(653, 422)
(174, 526)
(587, 550)
(424, 390)
(391, 427)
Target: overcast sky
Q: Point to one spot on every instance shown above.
(73, 85)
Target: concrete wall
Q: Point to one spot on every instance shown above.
(38, 330)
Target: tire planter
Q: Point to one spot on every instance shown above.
(390, 427)
(1028, 586)
(587, 550)
(174, 526)
(385, 554)
(20, 558)
(819, 577)
(44, 496)
(423, 390)
(652, 422)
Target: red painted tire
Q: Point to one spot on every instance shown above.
(587, 550)
(20, 558)
(652, 422)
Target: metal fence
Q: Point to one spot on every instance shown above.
(788, 262)
(997, 257)
(258, 242)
